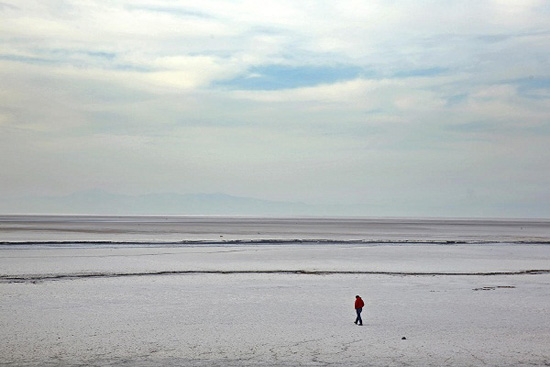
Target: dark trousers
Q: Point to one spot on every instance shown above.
(358, 320)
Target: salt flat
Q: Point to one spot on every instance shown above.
(25, 228)
(77, 259)
(274, 319)
(282, 320)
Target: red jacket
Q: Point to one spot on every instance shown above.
(359, 302)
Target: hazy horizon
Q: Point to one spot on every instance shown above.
(97, 202)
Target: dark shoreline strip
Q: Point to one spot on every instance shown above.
(42, 278)
(268, 241)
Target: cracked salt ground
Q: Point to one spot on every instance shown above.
(274, 304)
(276, 320)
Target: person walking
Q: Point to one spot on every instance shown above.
(358, 308)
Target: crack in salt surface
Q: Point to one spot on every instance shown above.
(474, 356)
(54, 277)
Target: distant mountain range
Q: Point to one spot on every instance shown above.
(103, 202)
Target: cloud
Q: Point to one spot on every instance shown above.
(387, 102)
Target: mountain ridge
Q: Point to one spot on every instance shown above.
(98, 201)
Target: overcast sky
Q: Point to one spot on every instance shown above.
(410, 108)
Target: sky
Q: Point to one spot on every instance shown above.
(403, 108)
